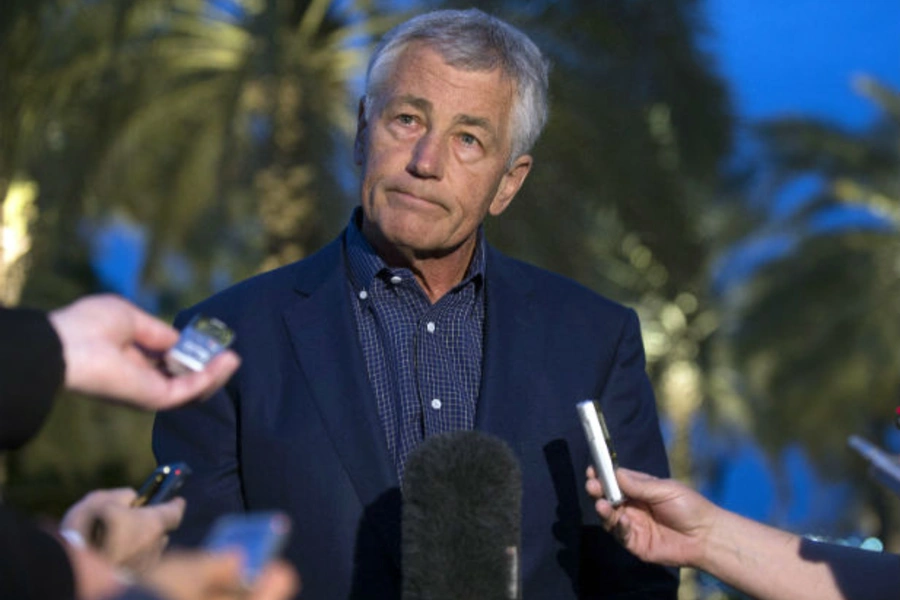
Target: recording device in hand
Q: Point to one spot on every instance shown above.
(602, 451)
(260, 536)
(462, 497)
(200, 341)
(162, 484)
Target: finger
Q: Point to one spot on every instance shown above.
(150, 332)
(622, 529)
(605, 510)
(201, 384)
(640, 486)
(221, 368)
(120, 496)
(169, 513)
(594, 488)
(221, 571)
(277, 582)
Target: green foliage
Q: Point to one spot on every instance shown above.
(216, 134)
(816, 331)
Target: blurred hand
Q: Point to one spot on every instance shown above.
(95, 577)
(661, 521)
(106, 341)
(132, 538)
(205, 576)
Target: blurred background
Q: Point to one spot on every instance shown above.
(729, 168)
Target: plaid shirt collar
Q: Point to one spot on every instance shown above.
(365, 264)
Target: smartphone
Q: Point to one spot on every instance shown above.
(162, 484)
(602, 450)
(200, 341)
(260, 535)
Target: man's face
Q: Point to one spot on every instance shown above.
(435, 156)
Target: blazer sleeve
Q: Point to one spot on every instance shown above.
(31, 371)
(205, 436)
(629, 408)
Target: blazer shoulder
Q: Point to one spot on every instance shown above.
(271, 291)
(548, 287)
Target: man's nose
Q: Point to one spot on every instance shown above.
(428, 157)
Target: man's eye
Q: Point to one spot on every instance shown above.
(468, 139)
(406, 119)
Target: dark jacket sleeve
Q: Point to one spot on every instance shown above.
(31, 371)
(33, 564)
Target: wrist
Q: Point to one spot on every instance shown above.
(707, 541)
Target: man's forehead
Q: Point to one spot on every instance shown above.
(421, 75)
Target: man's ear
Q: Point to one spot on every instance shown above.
(510, 184)
(359, 144)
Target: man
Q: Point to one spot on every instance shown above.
(99, 345)
(666, 522)
(409, 325)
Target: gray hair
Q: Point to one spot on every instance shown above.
(474, 41)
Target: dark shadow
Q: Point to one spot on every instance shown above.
(597, 565)
(567, 527)
(377, 572)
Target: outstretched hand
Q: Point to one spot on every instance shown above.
(661, 521)
(109, 346)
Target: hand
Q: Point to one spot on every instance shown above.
(662, 521)
(133, 538)
(106, 341)
(204, 576)
(95, 577)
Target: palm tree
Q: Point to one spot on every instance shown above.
(213, 125)
(816, 328)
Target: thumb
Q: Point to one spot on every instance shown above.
(168, 513)
(642, 486)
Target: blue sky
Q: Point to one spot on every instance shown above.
(799, 56)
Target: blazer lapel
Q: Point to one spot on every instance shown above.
(510, 352)
(325, 342)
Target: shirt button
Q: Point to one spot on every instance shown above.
(436, 404)
(396, 279)
(363, 295)
(430, 326)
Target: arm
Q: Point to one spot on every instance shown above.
(100, 345)
(31, 369)
(664, 521)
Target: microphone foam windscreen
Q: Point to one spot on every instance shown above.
(462, 505)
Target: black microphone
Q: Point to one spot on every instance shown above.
(461, 529)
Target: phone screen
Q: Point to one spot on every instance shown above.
(260, 536)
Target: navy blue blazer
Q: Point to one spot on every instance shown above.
(297, 428)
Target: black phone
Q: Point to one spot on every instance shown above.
(162, 484)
